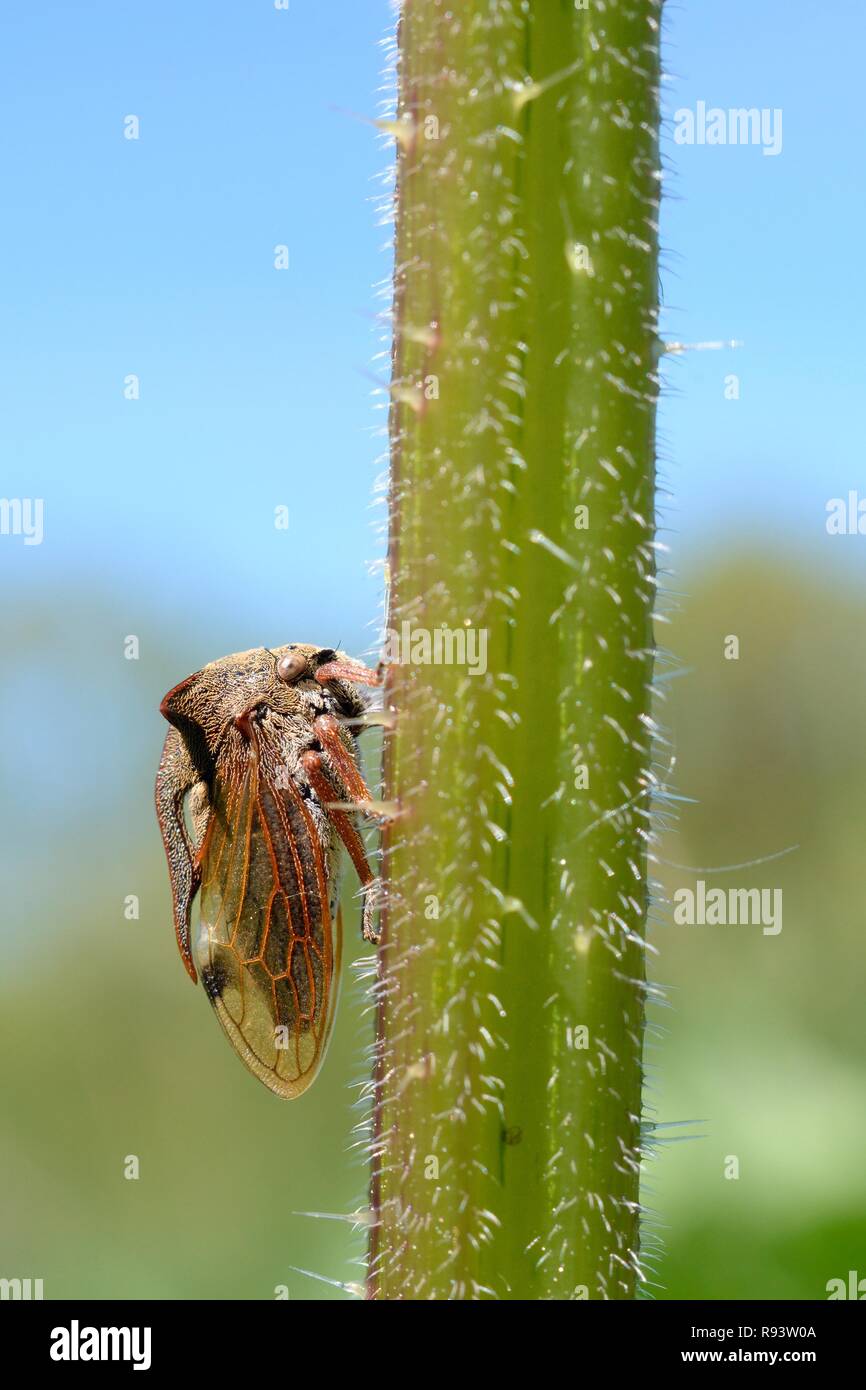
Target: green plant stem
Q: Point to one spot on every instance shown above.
(511, 988)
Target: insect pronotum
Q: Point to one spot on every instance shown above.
(255, 794)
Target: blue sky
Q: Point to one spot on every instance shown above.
(155, 257)
(766, 250)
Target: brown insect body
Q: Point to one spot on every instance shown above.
(258, 753)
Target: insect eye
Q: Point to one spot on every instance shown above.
(290, 667)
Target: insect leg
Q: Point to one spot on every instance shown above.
(327, 792)
(328, 732)
(178, 776)
(348, 671)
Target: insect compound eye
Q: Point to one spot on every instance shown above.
(291, 667)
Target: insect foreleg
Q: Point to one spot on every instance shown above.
(325, 789)
(328, 732)
(348, 671)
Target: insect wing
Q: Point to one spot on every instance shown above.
(267, 951)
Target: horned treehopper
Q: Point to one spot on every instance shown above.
(258, 787)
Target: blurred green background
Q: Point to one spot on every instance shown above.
(765, 1045)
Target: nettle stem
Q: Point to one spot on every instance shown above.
(511, 990)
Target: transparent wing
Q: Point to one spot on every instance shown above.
(267, 950)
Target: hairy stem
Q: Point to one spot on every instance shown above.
(511, 982)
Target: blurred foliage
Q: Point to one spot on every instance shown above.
(765, 1045)
(109, 1051)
